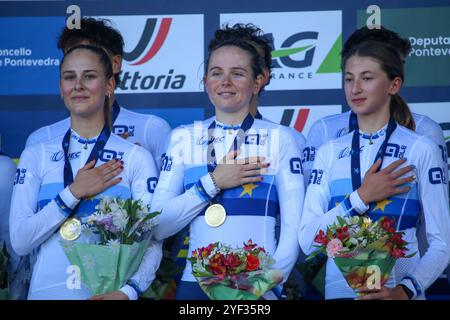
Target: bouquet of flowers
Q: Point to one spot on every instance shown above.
(360, 247)
(123, 228)
(225, 273)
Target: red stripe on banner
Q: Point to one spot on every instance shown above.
(301, 119)
(157, 44)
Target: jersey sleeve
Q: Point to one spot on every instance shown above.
(143, 175)
(316, 137)
(433, 198)
(178, 206)
(7, 172)
(432, 130)
(316, 215)
(158, 137)
(29, 227)
(290, 192)
(38, 136)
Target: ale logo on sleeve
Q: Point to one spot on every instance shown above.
(306, 47)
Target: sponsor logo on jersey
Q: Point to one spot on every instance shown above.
(436, 176)
(204, 140)
(316, 176)
(123, 129)
(395, 150)
(151, 184)
(167, 162)
(256, 138)
(20, 176)
(57, 156)
(108, 155)
(296, 165)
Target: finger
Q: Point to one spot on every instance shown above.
(111, 183)
(374, 167)
(112, 174)
(112, 167)
(232, 154)
(399, 182)
(251, 160)
(125, 135)
(394, 165)
(402, 171)
(89, 165)
(251, 179)
(254, 173)
(254, 166)
(401, 190)
(108, 164)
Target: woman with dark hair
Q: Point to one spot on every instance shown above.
(337, 125)
(216, 176)
(401, 174)
(61, 181)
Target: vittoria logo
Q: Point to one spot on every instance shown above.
(156, 51)
(147, 35)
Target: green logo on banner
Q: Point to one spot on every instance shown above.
(428, 30)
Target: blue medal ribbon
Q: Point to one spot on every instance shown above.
(355, 157)
(238, 140)
(353, 122)
(68, 175)
(115, 110)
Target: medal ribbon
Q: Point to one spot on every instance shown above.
(353, 122)
(115, 109)
(95, 153)
(355, 158)
(238, 140)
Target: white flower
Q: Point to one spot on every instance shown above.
(148, 225)
(120, 219)
(89, 261)
(86, 230)
(114, 244)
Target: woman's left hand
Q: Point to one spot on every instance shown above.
(115, 295)
(384, 293)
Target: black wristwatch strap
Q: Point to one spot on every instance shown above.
(408, 291)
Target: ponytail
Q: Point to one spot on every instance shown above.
(107, 113)
(401, 113)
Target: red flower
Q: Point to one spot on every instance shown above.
(321, 238)
(398, 253)
(252, 263)
(342, 233)
(249, 246)
(396, 238)
(216, 264)
(387, 224)
(232, 261)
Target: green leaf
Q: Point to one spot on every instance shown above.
(342, 221)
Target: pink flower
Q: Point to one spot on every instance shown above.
(333, 247)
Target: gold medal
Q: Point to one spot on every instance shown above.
(71, 229)
(215, 215)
